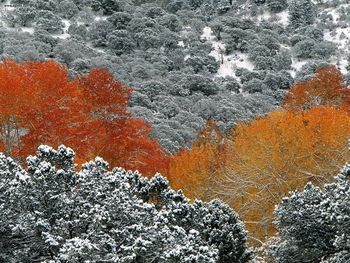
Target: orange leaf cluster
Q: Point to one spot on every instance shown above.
(39, 104)
(280, 153)
(195, 170)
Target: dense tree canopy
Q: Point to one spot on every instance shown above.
(40, 104)
(195, 170)
(279, 153)
(188, 61)
(327, 87)
(263, 160)
(52, 212)
(314, 223)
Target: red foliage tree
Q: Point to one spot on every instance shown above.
(326, 88)
(125, 139)
(39, 104)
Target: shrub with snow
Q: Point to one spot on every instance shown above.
(314, 224)
(51, 212)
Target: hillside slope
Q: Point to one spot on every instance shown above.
(188, 61)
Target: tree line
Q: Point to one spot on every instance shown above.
(251, 168)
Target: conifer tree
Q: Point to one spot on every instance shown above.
(301, 13)
(51, 212)
(314, 223)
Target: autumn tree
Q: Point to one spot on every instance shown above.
(41, 105)
(125, 141)
(194, 170)
(279, 153)
(38, 103)
(327, 87)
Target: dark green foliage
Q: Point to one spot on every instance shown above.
(120, 42)
(107, 6)
(120, 20)
(52, 212)
(301, 13)
(48, 21)
(277, 5)
(99, 31)
(314, 224)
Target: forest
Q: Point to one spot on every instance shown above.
(194, 131)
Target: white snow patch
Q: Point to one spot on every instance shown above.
(335, 15)
(7, 6)
(22, 176)
(339, 36)
(264, 17)
(99, 50)
(228, 63)
(66, 27)
(65, 34)
(29, 30)
(243, 61)
(342, 64)
(283, 18)
(208, 34)
(101, 18)
(297, 65)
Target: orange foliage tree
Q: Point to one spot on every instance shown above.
(279, 153)
(327, 87)
(195, 170)
(39, 104)
(263, 160)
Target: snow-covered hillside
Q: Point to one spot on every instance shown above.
(189, 63)
(338, 33)
(228, 63)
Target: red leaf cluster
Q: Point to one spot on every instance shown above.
(39, 104)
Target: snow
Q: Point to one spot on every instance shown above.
(264, 17)
(99, 50)
(242, 61)
(45, 149)
(99, 18)
(7, 6)
(335, 15)
(29, 30)
(22, 176)
(283, 18)
(341, 37)
(342, 64)
(228, 63)
(181, 44)
(208, 34)
(65, 34)
(296, 66)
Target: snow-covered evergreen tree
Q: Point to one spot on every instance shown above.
(314, 224)
(277, 5)
(51, 212)
(301, 13)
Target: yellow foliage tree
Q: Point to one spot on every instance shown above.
(194, 170)
(279, 153)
